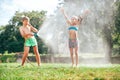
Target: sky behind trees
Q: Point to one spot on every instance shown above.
(8, 7)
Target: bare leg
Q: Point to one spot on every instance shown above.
(72, 57)
(35, 48)
(26, 51)
(76, 55)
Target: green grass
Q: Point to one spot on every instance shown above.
(10, 71)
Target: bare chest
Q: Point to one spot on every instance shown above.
(26, 29)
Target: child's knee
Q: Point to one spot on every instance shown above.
(76, 53)
(71, 54)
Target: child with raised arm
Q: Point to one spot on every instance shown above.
(73, 23)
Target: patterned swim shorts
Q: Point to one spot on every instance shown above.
(73, 43)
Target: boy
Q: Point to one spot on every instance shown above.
(26, 32)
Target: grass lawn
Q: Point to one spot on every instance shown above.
(10, 71)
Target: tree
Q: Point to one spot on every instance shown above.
(116, 30)
(10, 37)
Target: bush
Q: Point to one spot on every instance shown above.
(6, 58)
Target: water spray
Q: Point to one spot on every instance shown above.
(55, 34)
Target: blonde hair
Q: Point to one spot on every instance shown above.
(76, 17)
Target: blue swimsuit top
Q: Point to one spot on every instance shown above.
(73, 28)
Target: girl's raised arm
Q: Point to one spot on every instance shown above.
(66, 16)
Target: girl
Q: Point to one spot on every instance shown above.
(73, 23)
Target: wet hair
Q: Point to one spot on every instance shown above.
(80, 18)
(76, 17)
(25, 18)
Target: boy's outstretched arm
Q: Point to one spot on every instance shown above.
(33, 28)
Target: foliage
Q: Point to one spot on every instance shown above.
(116, 30)
(6, 58)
